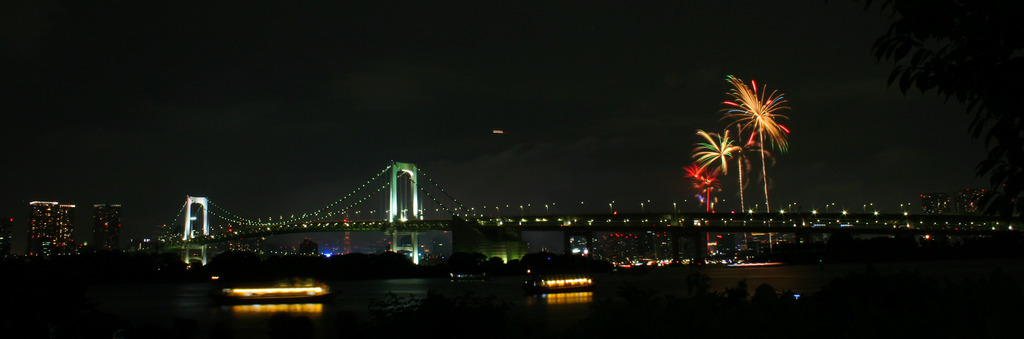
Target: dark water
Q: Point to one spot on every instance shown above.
(159, 304)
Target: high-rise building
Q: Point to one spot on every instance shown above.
(106, 226)
(309, 247)
(967, 200)
(935, 203)
(6, 236)
(50, 225)
(65, 228)
(963, 201)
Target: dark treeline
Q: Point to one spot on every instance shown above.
(249, 266)
(860, 305)
(120, 267)
(46, 297)
(843, 247)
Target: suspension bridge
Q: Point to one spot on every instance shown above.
(403, 216)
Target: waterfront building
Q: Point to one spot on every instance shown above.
(6, 236)
(145, 245)
(248, 244)
(935, 203)
(106, 226)
(50, 226)
(309, 247)
(967, 200)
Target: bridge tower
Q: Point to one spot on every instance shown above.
(395, 210)
(191, 252)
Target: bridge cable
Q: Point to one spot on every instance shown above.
(436, 201)
(173, 223)
(233, 217)
(431, 180)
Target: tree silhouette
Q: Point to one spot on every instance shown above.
(969, 51)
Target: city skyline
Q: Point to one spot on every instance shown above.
(275, 111)
(104, 231)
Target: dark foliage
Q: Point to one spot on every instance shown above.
(968, 51)
(861, 305)
(439, 316)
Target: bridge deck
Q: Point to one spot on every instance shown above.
(800, 223)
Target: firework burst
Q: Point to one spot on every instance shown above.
(716, 148)
(704, 181)
(753, 111)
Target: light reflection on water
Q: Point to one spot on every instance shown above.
(293, 309)
(561, 298)
(160, 303)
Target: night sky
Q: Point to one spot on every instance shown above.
(278, 109)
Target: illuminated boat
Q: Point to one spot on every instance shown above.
(754, 264)
(281, 293)
(468, 276)
(558, 284)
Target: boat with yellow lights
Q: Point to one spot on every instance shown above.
(295, 291)
(558, 284)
